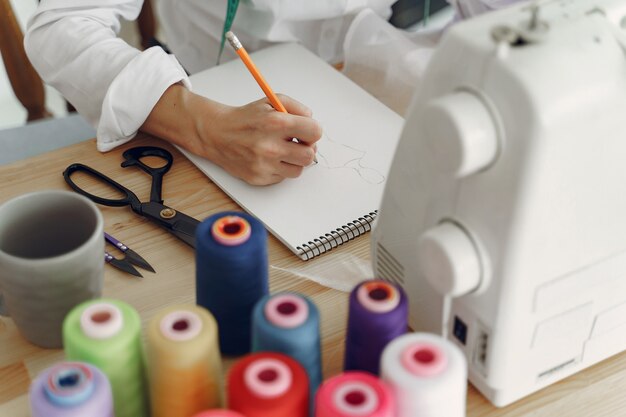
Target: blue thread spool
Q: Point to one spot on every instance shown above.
(378, 313)
(289, 323)
(231, 274)
(71, 389)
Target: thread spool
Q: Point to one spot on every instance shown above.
(378, 313)
(184, 362)
(107, 334)
(268, 384)
(289, 323)
(231, 274)
(219, 413)
(428, 375)
(71, 389)
(355, 393)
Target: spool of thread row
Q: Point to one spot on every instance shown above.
(231, 274)
(184, 363)
(378, 313)
(219, 413)
(355, 393)
(289, 323)
(268, 384)
(428, 375)
(107, 334)
(71, 389)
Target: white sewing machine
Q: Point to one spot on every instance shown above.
(504, 215)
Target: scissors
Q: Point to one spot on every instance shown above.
(177, 223)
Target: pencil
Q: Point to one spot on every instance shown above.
(269, 93)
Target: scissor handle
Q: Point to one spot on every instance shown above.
(129, 197)
(133, 158)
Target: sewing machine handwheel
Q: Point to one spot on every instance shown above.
(461, 133)
(449, 260)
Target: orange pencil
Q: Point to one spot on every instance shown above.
(243, 54)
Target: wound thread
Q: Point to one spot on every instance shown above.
(184, 362)
(230, 279)
(378, 313)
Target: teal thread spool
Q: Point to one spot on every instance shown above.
(107, 334)
(289, 323)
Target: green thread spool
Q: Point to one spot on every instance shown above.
(107, 334)
(231, 11)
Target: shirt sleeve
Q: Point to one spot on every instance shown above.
(113, 85)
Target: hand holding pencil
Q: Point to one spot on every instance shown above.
(269, 93)
(253, 142)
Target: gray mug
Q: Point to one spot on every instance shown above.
(51, 259)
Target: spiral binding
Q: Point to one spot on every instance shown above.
(336, 237)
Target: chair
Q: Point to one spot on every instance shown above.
(42, 133)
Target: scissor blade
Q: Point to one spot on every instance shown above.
(125, 266)
(179, 224)
(185, 230)
(134, 258)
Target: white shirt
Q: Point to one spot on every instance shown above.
(74, 47)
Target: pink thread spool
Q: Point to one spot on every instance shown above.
(353, 394)
(427, 374)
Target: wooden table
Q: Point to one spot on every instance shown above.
(597, 391)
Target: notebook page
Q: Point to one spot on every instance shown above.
(354, 154)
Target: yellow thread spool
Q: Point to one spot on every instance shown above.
(184, 363)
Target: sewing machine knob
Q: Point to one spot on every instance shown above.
(449, 260)
(461, 133)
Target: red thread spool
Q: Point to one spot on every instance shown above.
(267, 384)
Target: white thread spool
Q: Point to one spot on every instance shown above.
(428, 375)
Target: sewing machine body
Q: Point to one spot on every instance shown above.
(523, 219)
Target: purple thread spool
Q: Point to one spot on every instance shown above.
(378, 313)
(71, 389)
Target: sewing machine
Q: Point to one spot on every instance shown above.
(504, 213)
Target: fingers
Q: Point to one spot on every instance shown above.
(298, 123)
(255, 141)
(289, 171)
(294, 106)
(298, 154)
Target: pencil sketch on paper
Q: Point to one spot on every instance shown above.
(335, 155)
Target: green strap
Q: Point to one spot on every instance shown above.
(231, 10)
(426, 15)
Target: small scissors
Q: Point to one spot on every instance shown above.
(130, 258)
(177, 223)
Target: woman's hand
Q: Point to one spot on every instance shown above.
(252, 142)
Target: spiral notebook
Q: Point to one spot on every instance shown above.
(335, 200)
